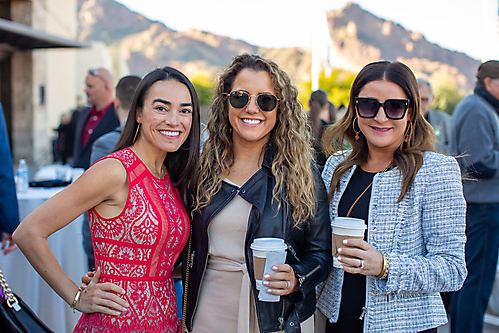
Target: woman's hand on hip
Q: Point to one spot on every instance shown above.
(359, 257)
(282, 282)
(101, 297)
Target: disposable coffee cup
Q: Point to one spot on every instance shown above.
(345, 228)
(267, 251)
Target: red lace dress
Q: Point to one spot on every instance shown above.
(137, 250)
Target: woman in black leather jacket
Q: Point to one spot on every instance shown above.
(257, 179)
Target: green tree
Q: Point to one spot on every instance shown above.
(446, 92)
(205, 88)
(337, 86)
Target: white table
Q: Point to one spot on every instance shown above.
(25, 281)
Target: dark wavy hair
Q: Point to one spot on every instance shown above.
(182, 165)
(290, 138)
(419, 133)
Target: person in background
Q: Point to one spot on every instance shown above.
(59, 142)
(411, 199)
(332, 114)
(257, 179)
(475, 139)
(9, 208)
(93, 122)
(105, 144)
(439, 120)
(96, 120)
(319, 111)
(138, 201)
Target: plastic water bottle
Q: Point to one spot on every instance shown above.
(22, 176)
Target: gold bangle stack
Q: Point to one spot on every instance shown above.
(76, 299)
(386, 267)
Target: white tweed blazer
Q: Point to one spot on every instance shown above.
(424, 238)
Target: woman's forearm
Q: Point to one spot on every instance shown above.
(41, 257)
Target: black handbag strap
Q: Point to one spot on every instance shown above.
(8, 294)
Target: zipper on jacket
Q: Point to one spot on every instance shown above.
(364, 310)
(302, 278)
(281, 319)
(293, 252)
(199, 289)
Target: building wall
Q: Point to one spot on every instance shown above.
(43, 81)
(22, 90)
(61, 65)
(47, 84)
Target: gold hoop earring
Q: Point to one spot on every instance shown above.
(136, 133)
(353, 126)
(409, 133)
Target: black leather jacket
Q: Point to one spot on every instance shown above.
(309, 248)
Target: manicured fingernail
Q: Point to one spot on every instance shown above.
(266, 276)
(339, 258)
(127, 305)
(345, 241)
(274, 268)
(340, 249)
(124, 309)
(341, 266)
(269, 290)
(265, 283)
(123, 291)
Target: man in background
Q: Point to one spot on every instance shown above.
(9, 209)
(475, 141)
(124, 94)
(439, 120)
(96, 120)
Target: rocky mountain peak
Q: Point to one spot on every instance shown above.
(358, 37)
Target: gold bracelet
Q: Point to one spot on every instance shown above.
(386, 267)
(76, 299)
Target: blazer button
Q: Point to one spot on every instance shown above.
(291, 324)
(243, 191)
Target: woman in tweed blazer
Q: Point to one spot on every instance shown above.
(411, 199)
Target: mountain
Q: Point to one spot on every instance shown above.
(358, 38)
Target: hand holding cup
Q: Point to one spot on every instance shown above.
(359, 257)
(282, 282)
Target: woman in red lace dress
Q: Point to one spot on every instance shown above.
(135, 199)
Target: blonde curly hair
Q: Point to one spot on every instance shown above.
(290, 138)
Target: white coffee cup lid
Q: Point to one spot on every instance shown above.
(349, 222)
(268, 244)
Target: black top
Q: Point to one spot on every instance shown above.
(353, 293)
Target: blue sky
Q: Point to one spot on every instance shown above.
(286, 23)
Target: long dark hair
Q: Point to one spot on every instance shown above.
(419, 133)
(182, 165)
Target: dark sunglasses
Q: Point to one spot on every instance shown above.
(240, 98)
(367, 107)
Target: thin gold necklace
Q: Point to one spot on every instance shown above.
(363, 192)
(150, 168)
